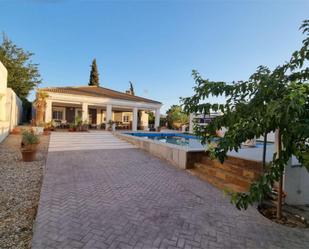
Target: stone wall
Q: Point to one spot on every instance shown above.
(176, 155)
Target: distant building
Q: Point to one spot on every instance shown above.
(201, 119)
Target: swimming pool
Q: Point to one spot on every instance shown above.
(185, 140)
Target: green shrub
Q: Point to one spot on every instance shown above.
(28, 138)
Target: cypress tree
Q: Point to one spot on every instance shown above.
(94, 74)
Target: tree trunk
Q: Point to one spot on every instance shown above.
(279, 203)
(39, 116)
(264, 150)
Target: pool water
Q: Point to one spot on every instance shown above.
(185, 140)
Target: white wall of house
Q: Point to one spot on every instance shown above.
(10, 106)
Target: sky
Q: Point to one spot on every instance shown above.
(154, 44)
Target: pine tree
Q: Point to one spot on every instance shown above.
(94, 74)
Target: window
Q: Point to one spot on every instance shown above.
(126, 119)
(58, 114)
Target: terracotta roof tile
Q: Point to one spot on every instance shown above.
(98, 92)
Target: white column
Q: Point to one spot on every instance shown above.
(48, 111)
(108, 115)
(99, 117)
(157, 118)
(85, 112)
(144, 120)
(135, 118)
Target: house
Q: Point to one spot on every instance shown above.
(10, 106)
(201, 119)
(98, 105)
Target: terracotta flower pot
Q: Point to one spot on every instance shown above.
(46, 132)
(29, 147)
(28, 155)
(16, 131)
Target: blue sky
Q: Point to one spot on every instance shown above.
(155, 44)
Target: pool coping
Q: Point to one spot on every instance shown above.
(177, 155)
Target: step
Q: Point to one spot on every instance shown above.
(226, 176)
(217, 182)
(248, 173)
(245, 163)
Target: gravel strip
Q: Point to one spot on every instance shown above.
(20, 185)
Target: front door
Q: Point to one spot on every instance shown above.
(93, 116)
(70, 114)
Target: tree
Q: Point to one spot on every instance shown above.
(23, 74)
(151, 117)
(270, 100)
(176, 117)
(131, 88)
(94, 74)
(40, 104)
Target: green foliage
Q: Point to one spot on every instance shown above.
(110, 123)
(151, 118)
(269, 100)
(78, 121)
(23, 75)
(40, 100)
(175, 115)
(28, 138)
(94, 74)
(163, 121)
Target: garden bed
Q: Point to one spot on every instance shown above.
(291, 217)
(20, 185)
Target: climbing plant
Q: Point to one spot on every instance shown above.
(269, 101)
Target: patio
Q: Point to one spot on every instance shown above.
(127, 198)
(98, 106)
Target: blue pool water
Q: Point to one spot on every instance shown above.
(186, 140)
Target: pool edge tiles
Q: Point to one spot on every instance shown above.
(190, 142)
(180, 156)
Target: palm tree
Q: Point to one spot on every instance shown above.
(40, 105)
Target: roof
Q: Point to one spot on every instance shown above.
(97, 91)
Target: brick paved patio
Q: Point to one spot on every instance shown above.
(129, 199)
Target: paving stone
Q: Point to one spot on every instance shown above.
(128, 198)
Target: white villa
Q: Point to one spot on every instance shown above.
(98, 105)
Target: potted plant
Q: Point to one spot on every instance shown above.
(111, 125)
(48, 127)
(29, 144)
(39, 128)
(72, 127)
(84, 126)
(78, 123)
(16, 131)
